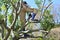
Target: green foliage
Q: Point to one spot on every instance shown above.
(38, 3)
(14, 1)
(52, 37)
(17, 25)
(10, 18)
(47, 22)
(39, 39)
(3, 7)
(6, 6)
(1, 17)
(1, 2)
(6, 1)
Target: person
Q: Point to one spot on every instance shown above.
(32, 16)
(24, 3)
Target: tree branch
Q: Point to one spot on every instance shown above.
(29, 31)
(13, 5)
(12, 25)
(42, 6)
(31, 37)
(47, 6)
(42, 9)
(6, 37)
(20, 7)
(4, 25)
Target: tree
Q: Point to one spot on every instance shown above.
(47, 22)
(10, 23)
(46, 19)
(5, 6)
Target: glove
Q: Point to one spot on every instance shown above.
(33, 16)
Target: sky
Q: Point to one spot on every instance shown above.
(32, 3)
(56, 4)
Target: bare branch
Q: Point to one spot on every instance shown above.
(42, 9)
(29, 31)
(42, 6)
(35, 21)
(9, 30)
(12, 25)
(30, 37)
(20, 7)
(6, 37)
(4, 25)
(47, 6)
(13, 5)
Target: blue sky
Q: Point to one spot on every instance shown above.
(56, 3)
(32, 3)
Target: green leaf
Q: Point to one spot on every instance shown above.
(1, 17)
(3, 7)
(14, 1)
(10, 18)
(47, 23)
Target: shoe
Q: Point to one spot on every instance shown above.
(26, 35)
